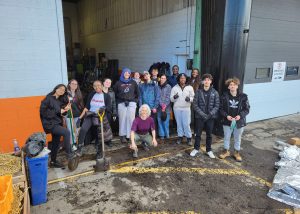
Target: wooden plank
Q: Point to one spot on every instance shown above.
(20, 176)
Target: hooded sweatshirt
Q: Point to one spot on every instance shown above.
(126, 90)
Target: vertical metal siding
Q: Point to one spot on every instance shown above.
(101, 15)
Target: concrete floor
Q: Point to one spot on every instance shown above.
(167, 180)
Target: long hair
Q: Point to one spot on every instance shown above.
(78, 93)
(63, 98)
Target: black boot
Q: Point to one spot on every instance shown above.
(56, 164)
(189, 141)
(78, 152)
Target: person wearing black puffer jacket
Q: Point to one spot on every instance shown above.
(206, 106)
(52, 107)
(234, 109)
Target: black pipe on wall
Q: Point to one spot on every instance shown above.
(225, 28)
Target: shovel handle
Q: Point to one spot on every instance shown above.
(101, 116)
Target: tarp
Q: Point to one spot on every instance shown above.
(286, 183)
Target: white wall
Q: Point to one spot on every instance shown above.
(273, 99)
(138, 45)
(32, 53)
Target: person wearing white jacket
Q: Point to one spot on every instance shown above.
(182, 96)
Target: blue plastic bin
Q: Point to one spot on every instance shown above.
(38, 174)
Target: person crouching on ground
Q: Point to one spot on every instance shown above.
(206, 105)
(140, 130)
(96, 100)
(52, 107)
(182, 96)
(234, 109)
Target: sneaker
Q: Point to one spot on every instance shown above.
(189, 141)
(224, 154)
(123, 139)
(135, 154)
(78, 152)
(56, 164)
(194, 152)
(179, 140)
(237, 156)
(211, 154)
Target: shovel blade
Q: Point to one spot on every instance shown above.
(102, 164)
(73, 163)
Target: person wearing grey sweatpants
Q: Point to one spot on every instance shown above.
(127, 94)
(126, 118)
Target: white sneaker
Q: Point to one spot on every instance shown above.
(194, 152)
(211, 154)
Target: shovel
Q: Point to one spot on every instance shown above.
(102, 164)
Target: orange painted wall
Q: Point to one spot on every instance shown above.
(19, 119)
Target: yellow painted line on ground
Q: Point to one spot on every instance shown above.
(201, 171)
(140, 160)
(163, 212)
(71, 176)
(260, 180)
(147, 158)
(113, 166)
(286, 211)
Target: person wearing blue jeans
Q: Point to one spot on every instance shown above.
(163, 113)
(182, 96)
(234, 109)
(206, 105)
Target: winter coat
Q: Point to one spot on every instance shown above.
(149, 94)
(126, 91)
(75, 105)
(107, 102)
(50, 113)
(111, 93)
(172, 80)
(243, 109)
(199, 104)
(180, 102)
(165, 92)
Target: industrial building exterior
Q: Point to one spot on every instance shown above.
(257, 41)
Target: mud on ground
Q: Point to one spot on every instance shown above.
(175, 182)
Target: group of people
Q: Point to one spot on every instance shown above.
(192, 100)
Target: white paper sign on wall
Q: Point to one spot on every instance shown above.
(278, 71)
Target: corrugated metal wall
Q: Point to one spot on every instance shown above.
(273, 37)
(102, 15)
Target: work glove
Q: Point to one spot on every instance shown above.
(78, 123)
(176, 96)
(187, 99)
(163, 107)
(126, 103)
